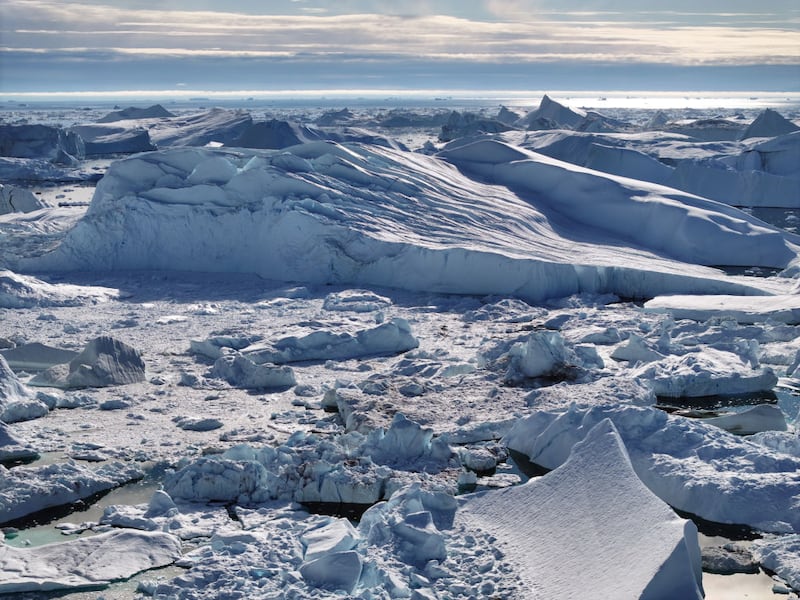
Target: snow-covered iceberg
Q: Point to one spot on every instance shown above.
(332, 213)
(691, 465)
(611, 537)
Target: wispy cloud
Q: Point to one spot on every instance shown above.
(526, 33)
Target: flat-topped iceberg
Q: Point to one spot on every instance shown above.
(365, 214)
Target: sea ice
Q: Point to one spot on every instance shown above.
(26, 490)
(763, 417)
(85, 562)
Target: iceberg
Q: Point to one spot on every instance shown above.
(17, 401)
(622, 541)
(104, 361)
(369, 215)
(691, 465)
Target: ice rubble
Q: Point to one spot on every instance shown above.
(423, 543)
(691, 465)
(27, 490)
(328, 213)
(104, 361)
(351, 468)
(85, 562)
(781, 555)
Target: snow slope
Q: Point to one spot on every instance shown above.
(352, 213)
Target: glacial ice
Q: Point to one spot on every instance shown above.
(362, 223)
(691, 465)
(104, 361)
(633, 545)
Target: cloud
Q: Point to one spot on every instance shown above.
(452, 32)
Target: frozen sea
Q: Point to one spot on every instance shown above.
(229, 321)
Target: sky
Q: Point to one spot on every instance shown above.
(101, 45)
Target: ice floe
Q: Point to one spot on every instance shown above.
(27, 490)
(88, 562)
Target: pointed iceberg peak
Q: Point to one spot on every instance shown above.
(770, 123)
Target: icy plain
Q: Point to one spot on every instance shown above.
(272, 320)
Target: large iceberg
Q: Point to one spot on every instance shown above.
(693, 466)
(352, 213)
(615, 539)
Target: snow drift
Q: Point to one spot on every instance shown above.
(357, 214)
